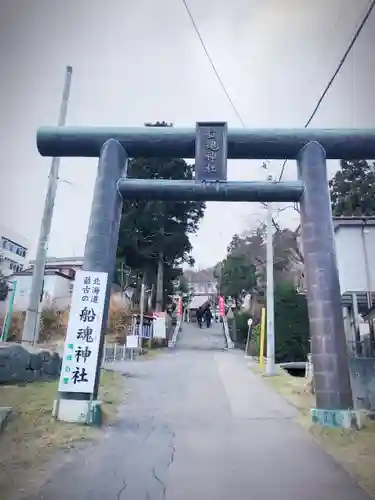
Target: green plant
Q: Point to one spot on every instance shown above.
(254, 344)
(242, 318)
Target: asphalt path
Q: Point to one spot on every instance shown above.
(197, 424)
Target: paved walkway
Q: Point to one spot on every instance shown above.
(198, 425)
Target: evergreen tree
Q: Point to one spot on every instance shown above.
(353, 189)
(291, 324)
(238, 276)
(155, 235)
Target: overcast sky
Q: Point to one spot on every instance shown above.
(140, 60)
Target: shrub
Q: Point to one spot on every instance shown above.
(16, 326)
(119, 321)
(254, 344)
(291, 326)
(241, 326)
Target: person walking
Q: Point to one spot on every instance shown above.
(208, 316)
(199, 317)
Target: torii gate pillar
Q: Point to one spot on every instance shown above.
(328, 342)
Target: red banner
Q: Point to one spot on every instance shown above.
(179, 307)
(221, 306)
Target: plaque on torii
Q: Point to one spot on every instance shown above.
(211, 151)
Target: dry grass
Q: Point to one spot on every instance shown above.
(53, 324)
(32, 436)
(354, 450)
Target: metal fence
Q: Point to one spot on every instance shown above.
(361, 349)
(147, 330)
(118, 352)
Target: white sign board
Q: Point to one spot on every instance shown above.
(83, 334)
(160, 331)
(132, 341)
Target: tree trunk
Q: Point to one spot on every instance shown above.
(160, 283)
(150, 302)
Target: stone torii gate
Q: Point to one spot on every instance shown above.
(311, 148)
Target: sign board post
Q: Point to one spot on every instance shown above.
(249, 325)
(132, 343)
(211, 151)
(83, 334)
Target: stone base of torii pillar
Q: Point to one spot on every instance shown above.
(78, 411)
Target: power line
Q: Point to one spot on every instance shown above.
(212, 64)
(338, 69)
(326, 90)
(214, 68)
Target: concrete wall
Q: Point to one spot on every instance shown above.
(62, 292)
(57, 292)
(351, 261)
(362, 375)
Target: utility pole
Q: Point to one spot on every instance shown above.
(30, 333)
(270, 304)
(270, 293)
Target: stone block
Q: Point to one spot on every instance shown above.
(19, 364)
(78, 411)
(337, 419)
(35, 361)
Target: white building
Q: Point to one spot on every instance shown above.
(57, 289)
(201, 282)
(355, 239)
(58, 282)
(13, 251)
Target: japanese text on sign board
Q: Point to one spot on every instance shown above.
(212, 148)
(83, 334)
(211, 151)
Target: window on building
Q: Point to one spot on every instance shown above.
(13, 266)
(11, 246)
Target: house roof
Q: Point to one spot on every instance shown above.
(48, 272)
(62, 261)
(198, 301)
